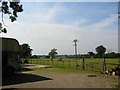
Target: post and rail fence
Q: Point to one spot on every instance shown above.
(82, 64)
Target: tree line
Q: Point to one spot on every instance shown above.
(26, 51)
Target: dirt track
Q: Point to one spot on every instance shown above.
(47, 79)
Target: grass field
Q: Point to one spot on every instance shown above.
(73, 65)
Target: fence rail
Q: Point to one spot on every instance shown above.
(83, 64)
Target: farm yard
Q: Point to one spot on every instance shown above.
(56, 78)
(63, 74)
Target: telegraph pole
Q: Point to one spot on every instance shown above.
(75, 44)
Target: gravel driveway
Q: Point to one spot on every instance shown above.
(48, 79)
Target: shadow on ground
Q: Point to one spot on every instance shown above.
(26, 69)
(22, 78)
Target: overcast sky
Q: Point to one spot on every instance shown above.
(47, 25)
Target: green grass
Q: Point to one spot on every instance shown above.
(66, 70)
(91, 65)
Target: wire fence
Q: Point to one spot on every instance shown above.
(100, 65)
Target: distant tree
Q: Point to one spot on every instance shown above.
(118, 55)
(53, 53)
(25, 50)
(34, 56)
(10, 8)
(91, 54)
(111, 55)
(47, 56)
(85, 56)
(100, 50)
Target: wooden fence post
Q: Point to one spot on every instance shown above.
(37, 61)
(57, 62)
(63, 63)
(69, 63)
(31, 61)
(52, 62)
(48, 61)
(83, 64)
(40, 61)
(104, 65)
(92, 65)
(44, 61)
(76, 62)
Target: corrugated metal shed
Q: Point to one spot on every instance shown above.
(9, 44)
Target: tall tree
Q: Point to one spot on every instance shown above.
(100, 50)
(53, 53)
(10, 8)
(25, 50)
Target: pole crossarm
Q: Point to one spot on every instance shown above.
(75, 44)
